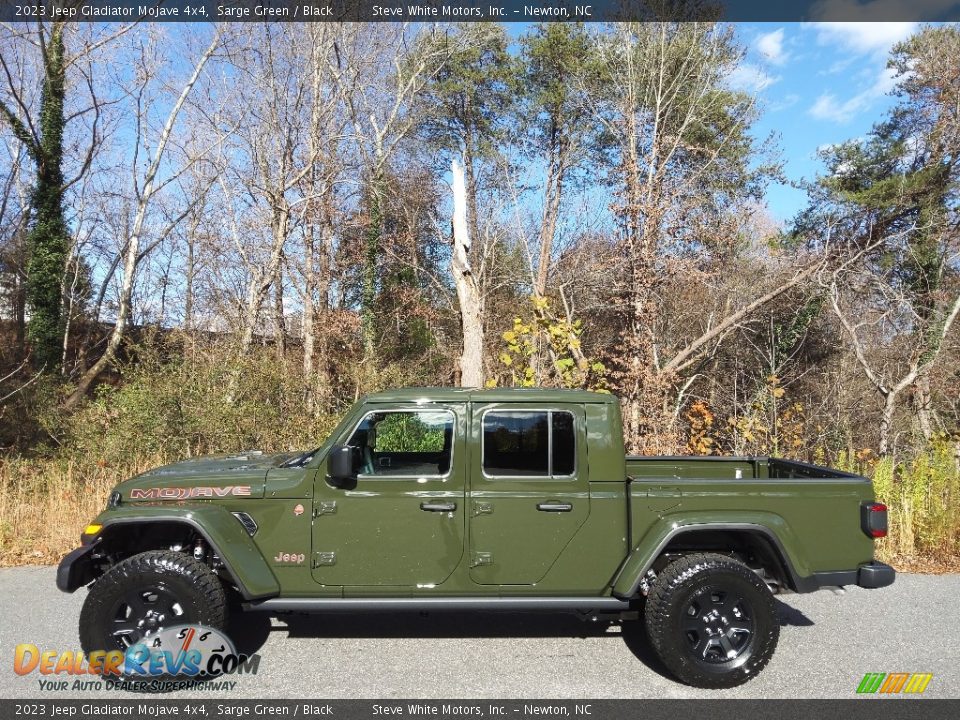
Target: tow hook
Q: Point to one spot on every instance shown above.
(647, 582)
(199, 550)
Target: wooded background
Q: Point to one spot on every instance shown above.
(218, 237)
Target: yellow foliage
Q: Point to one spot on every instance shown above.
(700, 419)
(769, 428)
(548, 351)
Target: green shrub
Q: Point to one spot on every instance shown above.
(203, 403)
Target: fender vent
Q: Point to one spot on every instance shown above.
(248, 522)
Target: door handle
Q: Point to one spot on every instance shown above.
(438, 507)
(554, 507)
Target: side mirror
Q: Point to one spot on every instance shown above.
(340, 470)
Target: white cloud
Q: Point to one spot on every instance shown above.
(787, 101)
(770, 45)
(861, 38)
(750, 78)
(828, 107)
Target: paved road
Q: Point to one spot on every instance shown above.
(826, 645)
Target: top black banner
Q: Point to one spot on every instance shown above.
(474, 11)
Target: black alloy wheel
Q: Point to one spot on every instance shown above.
(712, 620)
(141, 596)
(142, 612)
(718, 625)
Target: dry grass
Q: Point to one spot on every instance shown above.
(923, 497)
(45, 504)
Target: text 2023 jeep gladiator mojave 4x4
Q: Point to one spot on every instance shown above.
(477, 500)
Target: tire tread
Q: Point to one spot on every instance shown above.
(207, 589)
(661, 606)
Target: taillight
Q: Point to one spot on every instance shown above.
(873, 519)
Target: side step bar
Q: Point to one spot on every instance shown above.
(442, 604)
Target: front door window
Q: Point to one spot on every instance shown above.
(404, 444)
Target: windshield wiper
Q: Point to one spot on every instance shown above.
(300, 460)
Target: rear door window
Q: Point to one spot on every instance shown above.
(528, 444)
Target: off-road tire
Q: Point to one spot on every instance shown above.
(195, 587)
(692, 588)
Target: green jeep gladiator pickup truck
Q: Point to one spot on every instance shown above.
(477, 500)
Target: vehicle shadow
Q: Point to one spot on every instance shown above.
(250, 631)
(789, 615)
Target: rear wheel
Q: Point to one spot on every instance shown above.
(144, 594)
(712, 620)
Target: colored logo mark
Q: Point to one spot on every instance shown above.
(893, 683)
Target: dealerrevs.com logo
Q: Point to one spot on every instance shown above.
(176, 658)
(894, 683)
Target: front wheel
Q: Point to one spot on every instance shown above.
(141, 596)
(712, 620)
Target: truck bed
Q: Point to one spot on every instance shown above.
(814, 510)
(681, 467)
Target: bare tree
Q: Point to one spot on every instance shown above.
(61, 129)
(891, 382)
(14, 214)
(378, 74)
(280, 114)
(468, 291)
(327, 132)
(145, 188)
(681, 177)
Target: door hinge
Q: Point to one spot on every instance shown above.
(482, 508)
(324, 558)
(481, 558)
(325, 507)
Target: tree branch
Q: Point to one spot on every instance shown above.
(687, 356)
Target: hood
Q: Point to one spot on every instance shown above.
(208, 477)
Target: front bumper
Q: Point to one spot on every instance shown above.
(77, 568)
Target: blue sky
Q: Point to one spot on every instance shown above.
(818, 84)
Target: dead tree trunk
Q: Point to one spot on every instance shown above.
(280, 325)
(468, 292)
(257, 292)
(309, 310)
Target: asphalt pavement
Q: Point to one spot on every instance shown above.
(827, 643)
